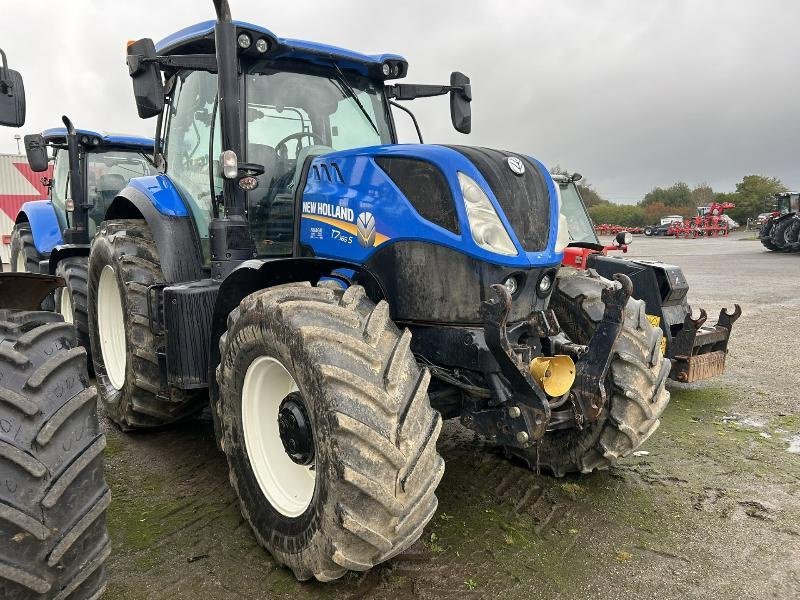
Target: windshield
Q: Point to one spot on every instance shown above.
(581, 228)
(107, 172)
(291, 115)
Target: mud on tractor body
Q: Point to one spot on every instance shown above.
(337, 294)
(696, 349)
(781, 231)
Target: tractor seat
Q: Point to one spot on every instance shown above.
(111, 182)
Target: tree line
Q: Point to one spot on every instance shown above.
(753, 195)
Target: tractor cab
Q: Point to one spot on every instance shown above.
(297, 99)
(89, 169)
(787, 202)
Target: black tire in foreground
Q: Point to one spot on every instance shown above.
(53, 497)
(72, 301)
(638, 376)
(130, 394)
(374, 466)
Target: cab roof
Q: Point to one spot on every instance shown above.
(58, 135)
(200, 38)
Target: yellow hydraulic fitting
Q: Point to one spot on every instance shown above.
(554, 374)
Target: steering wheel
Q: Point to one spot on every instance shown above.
(284, 153)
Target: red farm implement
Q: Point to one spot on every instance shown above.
(606, 229)
(710, 221)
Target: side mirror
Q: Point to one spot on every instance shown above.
(12, 96)
(36, 149)
(460, 109)
(148, 87)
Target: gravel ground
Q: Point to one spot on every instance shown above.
(711, 510)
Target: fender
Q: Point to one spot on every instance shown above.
(155, 199)
(258, 274)
(44, 224)
(63, 251)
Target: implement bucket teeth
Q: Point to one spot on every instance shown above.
(698, 351)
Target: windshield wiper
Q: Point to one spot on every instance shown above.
(341, 78)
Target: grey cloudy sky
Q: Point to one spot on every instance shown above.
(633, 94)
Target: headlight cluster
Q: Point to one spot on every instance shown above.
(485, 225)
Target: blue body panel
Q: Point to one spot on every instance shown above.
(330, 209)
(294, 49)
(162, 193)
(145, 144)
(44, 224)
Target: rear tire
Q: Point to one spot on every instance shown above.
(793, 235)
(72, 301)
(648, 231)
(54, 497)
(638, 376)
(124, 352)
(778, 235)
(375, 464)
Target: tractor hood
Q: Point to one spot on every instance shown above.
(494, 206)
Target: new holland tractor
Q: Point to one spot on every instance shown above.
(52, 235)
(696, 350)
(336, 295)
(53, 496)
(781, 231)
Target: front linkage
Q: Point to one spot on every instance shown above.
(522, 412)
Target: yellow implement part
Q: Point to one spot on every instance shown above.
(554, 374)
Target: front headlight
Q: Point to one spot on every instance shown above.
(485, 225)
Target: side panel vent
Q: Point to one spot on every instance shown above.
(425, 187)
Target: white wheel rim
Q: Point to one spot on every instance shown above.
(21, 262)
(65, 306)
(288, 486)
(111, 327)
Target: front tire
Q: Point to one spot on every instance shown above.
(375, 465)
(53, 496)
(123, 263)
(72, 301)
(638, 374)
(765, 234)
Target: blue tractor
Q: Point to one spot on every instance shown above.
(335, 295)
(52, 235)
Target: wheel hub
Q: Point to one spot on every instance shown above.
(295, 430)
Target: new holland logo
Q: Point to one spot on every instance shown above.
(516, 165)
(365, 226)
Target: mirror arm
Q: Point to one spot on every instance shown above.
(407, 91)
(195, 62)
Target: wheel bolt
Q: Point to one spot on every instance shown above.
(522, 437)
